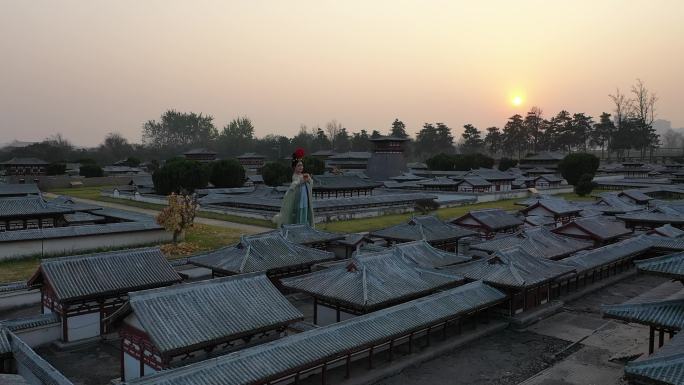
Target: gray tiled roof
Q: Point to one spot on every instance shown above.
(31, 322)
(95, 275)
(25, 161)
(539, 220)
(305, 234)
(5, 345)
(537, 241)
(198, 151)
(428, 227)
(626, 249)
(438, 181)
(671, 265)
(665, 366)
(44, 373)
(550, 178)
(28, 206)
(190, 316)
(334, 182)
(598, 227)
(635, 194)
(493, 219)
(255, 364)
(125, 215)
(422, 253)
(261, 252)
(69, 202)
(610, 203)
(512, 267)
(534, 199)
(372, 280)
(19, 189)
(651, 217)
(476, 181)
(669, 313)
(351, 155)
(13, 286)
(13, 379)
(489, 174)
(77, 231)
(82, 217)
(668, 230)
(556, 206)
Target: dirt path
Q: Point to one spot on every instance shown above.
(206, 221)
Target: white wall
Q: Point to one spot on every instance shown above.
(41, 335)
(61, 246)
(131, 367)
(18, 298)
(83, 326)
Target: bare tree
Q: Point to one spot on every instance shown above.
(643, 102)
(333, 128)
(623, 107)
(623, 110)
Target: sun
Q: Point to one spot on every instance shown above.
(517, 100)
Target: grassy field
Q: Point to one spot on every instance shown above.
(93, 193)
(375, 223)
(199, 238)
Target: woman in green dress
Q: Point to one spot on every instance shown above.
(296, 207)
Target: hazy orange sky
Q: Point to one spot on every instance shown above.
(86, 68)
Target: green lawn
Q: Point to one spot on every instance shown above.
(199, 238)
(374, 223)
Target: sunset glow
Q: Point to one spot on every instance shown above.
(284, 64)
(517, 100)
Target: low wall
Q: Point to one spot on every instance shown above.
(62, 246)
(41, 335)
(63, 181)
(18, 298)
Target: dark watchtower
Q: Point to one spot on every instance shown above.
(387, 159)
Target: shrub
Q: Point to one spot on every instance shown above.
(55, 169)
(459, 162)
(90, 170)
(180, 175)
(573, 166)
(507, 163)
(276, 173)
(313, 166)
(425, 206)
(585, 185)
(226, 173)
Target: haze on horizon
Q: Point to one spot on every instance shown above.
(86, 68)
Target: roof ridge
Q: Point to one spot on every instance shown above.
(98, 255)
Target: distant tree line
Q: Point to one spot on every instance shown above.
(629, 126)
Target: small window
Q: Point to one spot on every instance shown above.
(16, 225)
(48, 223)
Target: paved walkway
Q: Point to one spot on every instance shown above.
(252, 229)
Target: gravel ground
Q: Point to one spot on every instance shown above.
(504, 358)
(89, 365)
